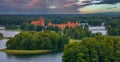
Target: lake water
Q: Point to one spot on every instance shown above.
(3, 43)
(9, 33)
(4, 57)
(98, 29)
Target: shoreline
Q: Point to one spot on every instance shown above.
(5, 38)
(25, 52)
(12, 29)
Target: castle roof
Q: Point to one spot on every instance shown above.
(62, 26)
(39, 22)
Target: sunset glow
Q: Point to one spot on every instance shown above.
(58, 6)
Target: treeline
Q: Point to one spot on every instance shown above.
(30, 27)
(94, 49)
(78, 32)
(113, 27)
(43, 40)
(20, 19)
(73, 33)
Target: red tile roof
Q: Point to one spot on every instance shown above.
(39, 22)
(62, 26)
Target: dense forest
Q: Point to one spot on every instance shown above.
(29, 27)
(23, 21)
(78, 32)
(43, 40)
(20, 19)
(93, 49)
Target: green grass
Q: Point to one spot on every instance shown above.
(25, 51)
(5, 37)
(32, 51)
(73, 40)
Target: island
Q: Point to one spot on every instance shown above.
(31, 42)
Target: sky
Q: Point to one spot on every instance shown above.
(58, 6)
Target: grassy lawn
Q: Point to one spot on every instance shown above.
(73, 40)
(25, 51)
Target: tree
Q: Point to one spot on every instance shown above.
(39, 28)
(30, 40)
(24, 26)
(11, 26)
(94, 49)
(56, 29)
(31, 27)
(77, 32)
(1, 35)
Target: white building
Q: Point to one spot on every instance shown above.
(98, 29)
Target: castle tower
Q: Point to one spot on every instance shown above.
(69, 24)
(42, 21)
(50, 24)
(76, 23)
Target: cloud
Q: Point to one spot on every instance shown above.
(22, 4)
(36, 3)
(12, 3)
(100, 8)
(51, 6)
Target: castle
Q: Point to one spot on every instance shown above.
(61, 26)
(39, 22)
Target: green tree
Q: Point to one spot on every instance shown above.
(94, 49)
(39, 28)
(1, 35)
(77, 32)
(30, 40)
(56, 29)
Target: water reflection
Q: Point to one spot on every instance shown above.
(5, 57)
(9, 33)
(51, 57)
(3, 43)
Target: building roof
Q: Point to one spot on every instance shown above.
(39, 22)
(62, 26)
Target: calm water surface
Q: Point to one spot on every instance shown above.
(9, 33)
(4, 57)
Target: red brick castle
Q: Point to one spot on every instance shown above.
(39, 22)
(62, 26)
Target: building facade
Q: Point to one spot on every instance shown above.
(61, 26)
(39, 22)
